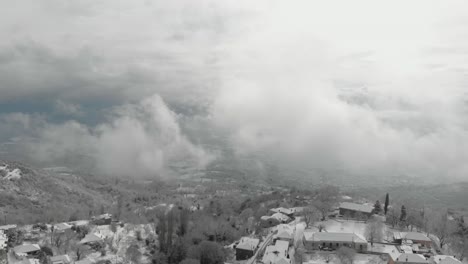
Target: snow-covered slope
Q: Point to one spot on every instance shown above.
(7, 174)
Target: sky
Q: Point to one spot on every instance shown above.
(137, 87)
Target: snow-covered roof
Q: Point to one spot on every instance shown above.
(282, 210)
(281, 217)
(357, 207)
(277, 254)
(90, 238)
(62, 226)
(411, 258)
(285, 231)
(333, 237)
(26, 248)
(60, 258)
(30, 261)
(444, 259)
(84, 261)
(7, 227)
(248, 243)
(416, 236)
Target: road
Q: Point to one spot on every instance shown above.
(261, 248)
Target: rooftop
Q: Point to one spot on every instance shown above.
(333, 237)
(411, 258)
(63, 258)
(416, 236)
(444, 259)
(248, 243)
(26, 248)
(357, 207)
(90, 238)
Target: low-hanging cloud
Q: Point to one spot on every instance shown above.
(138, 140)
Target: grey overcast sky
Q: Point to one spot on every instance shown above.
(133, 87)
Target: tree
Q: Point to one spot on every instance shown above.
(374, 231)
(387, 202)
(346, 255)
(211, 253)
(183, 222)
(403, 214)
(133, 254)
(326, 197)
(190, 261)
(392, 217)
(118, 211)
(47, 250)
(74, 216)
(321, 227)
(460, 246)
(170, 229)
(80, 250)
(310, 216)
(162, 230)
(442, 228)
(377, 207)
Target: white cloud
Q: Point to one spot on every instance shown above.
(357, 85)
(139, 140)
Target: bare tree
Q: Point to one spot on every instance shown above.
(374, 231)
(442, 228)
(346, 255)
(326, 197)
(133, 254)
(80, 250)
(310, 216)
(459, 245)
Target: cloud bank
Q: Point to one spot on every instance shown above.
(359, 86)
(138, 140)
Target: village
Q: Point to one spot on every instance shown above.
(330, 231)
(353, 233)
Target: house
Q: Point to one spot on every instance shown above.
(418, 238)
(397, 238)
(62, 259)
(268, 221)
(444, 259)
(84, 261)
(30, 261)
(246, 248)
(7, 227)
(406, 258)
(26, 251)
(297, 211)
(282, 218)
(282, 210)
(90, 239)
(62, 227)
(277, 254)
(104, 219)
(354, 210)
(320, 240)
(285, 233)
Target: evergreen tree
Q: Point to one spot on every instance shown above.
(403, 213)
(387, 202)
(377, 207)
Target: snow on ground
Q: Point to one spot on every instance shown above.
(323, 257)
(10, 174)
(345, 226)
